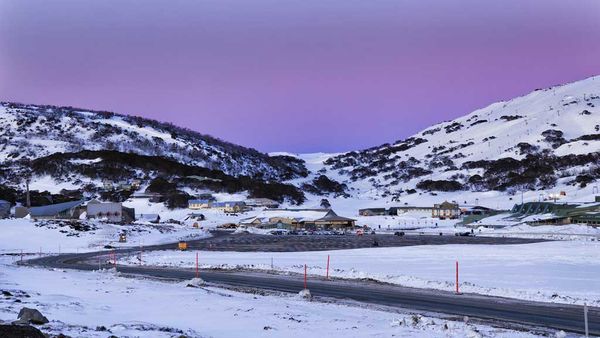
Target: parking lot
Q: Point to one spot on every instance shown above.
(223, 241)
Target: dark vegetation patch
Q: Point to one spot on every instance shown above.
(323, 185)
(554, 137)
(526, 148)
(455, 126)
(478, 122)
(510, 117)
(161, 172)
(588, 137)
(535, 171)
(439, 185)
(431, 131)
(37, 198)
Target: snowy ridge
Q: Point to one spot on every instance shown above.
(547, 139)
(556, 128)
(34, 131)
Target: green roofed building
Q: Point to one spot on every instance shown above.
(547, 213)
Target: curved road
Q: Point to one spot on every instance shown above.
(556, 316)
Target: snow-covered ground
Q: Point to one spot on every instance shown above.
(572, 232)
(563, 272)
(100, 304)
(54, 237)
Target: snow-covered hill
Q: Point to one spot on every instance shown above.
(33, 131)
(546, 139)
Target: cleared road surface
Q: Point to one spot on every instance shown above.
(556, 316)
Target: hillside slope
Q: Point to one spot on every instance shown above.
(34, 131)
(545, 139)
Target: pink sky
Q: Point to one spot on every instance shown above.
(298, 76)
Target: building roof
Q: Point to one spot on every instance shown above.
(260, 200)
(228, 203)
(474, 207)
(331, 216)
(446, 205)
(299, 215)
(53, 209)
(405, 207)
(198, 201)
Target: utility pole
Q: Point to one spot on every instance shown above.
(27, 197)
(585, 320)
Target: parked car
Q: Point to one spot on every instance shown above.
(399, 233)
(360, 232)
(278, 232)
(466, 234)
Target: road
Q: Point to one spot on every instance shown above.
(556, 316)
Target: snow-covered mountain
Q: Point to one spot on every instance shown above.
(33, 131)
(545, 139)
(71, 153)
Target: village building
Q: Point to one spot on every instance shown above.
(544, 213)
(262, 203)
(150, 218)
(331, 220)
(197, 204)
(294, 219)
(4, 209)
(445, 210)
(372, 212)
(110, 211)
(409, 209)
(66, 210)
(153, 197)
(230, 206)
(473, 210)
(395, 211)
(548, 213)
(109, 185)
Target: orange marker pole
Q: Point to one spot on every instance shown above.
(305, 276)
(457, 277)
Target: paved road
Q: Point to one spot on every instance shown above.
(224, 241)
(564, 317)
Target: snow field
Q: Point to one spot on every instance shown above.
(77, 303)
(562, 272)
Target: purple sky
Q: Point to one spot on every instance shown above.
(295, 75)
